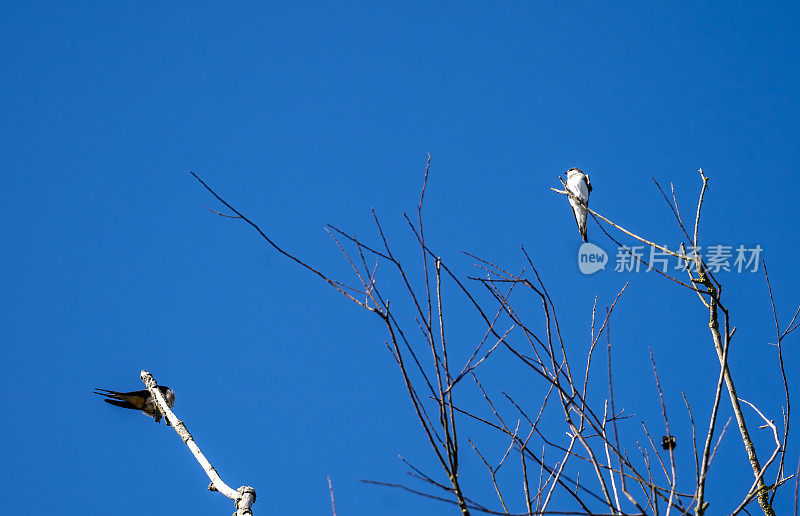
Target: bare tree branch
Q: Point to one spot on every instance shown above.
(244, 497)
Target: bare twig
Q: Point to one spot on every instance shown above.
(756, 487)
(780, 336)
(699, 206)
(279, 249)
(796, 486)
(622, 229)
(673, 481)
(694, 438)
(333, 502)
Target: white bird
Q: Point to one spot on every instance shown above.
(579, 185)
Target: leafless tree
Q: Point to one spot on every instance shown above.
(619, 480)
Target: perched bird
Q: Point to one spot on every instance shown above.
(668, 442)
(138, 400)
(578, 185)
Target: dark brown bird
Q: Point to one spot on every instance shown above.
(139, 400)
(668, 442)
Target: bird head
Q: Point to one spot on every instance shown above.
(169, 396)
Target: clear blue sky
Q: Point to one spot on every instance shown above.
(304, 114)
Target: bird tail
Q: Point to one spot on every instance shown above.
(108, 393)
(123, 404)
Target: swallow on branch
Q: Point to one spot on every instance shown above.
(139, 400)
(579, 185)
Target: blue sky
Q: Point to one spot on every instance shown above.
(302, 115)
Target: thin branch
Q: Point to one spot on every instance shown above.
(477, 508)
(758, 482)
(694, 439)
(330, 488)
(673, 480)
(620, 228)
(279, 249)
(796, 486)
(699, 206)
(786, 418)
(719, 441)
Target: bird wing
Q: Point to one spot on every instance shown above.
(581, 227)
(133, 399)
(123, 404)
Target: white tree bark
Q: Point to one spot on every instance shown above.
(244, 497)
